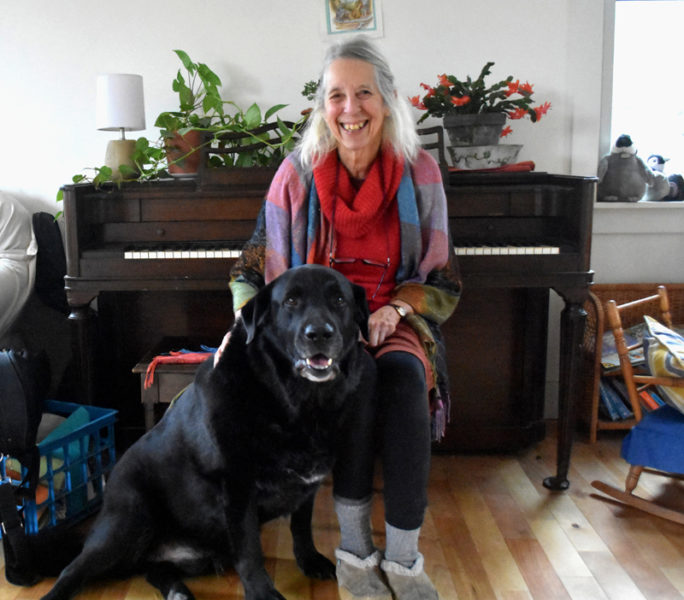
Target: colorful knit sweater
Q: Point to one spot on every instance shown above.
(428, 278)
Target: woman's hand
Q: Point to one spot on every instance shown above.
(224, 342)
(383, 322)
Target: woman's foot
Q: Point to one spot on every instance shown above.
(409, 583)
(360, 578)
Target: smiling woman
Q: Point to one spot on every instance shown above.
(359, 195)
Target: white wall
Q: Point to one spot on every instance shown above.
(265, 50)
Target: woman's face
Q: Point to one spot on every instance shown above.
(354, 108)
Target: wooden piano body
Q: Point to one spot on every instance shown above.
(496, 340)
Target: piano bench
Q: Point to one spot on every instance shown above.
(169, 379)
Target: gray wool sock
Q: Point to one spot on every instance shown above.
(355, 528)
(402, 545)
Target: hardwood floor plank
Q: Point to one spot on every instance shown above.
(611, 577)
(542, 581)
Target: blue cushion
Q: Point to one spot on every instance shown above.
(657, 441)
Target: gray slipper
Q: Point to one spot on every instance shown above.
(360, 578)
(409, 584)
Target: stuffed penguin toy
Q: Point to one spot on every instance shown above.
(656, 162)
(623, 176)
(660, 188)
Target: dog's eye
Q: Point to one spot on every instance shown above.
(291, 301)
(339, 301)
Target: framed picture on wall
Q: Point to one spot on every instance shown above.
(357, 16)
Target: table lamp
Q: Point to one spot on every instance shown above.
(120, 107)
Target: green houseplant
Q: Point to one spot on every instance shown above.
(201, 118)
(201, 115)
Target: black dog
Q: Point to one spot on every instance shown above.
(250, 440)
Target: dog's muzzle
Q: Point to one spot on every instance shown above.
(317, 346)
(317, 368)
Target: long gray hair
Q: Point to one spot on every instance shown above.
(398, 128)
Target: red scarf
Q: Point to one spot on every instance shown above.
(357, 212)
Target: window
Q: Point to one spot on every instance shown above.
(648, 89)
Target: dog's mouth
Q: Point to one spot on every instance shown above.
(317, 368)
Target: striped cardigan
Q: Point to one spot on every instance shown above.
(428, 278)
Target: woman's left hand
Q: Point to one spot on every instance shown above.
(382, 324)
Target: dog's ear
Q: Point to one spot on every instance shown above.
(255, 311)
(361, 312)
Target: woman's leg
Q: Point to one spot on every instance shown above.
(358, 572)
(404, 418)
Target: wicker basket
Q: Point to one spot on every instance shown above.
(588, 405)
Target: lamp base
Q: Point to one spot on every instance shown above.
(120, 152)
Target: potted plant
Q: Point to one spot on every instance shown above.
(474, 113)
(201, 119)
(200, 107)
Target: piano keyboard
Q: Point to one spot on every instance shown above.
(181, 254)
(505, 250)
(232, 252)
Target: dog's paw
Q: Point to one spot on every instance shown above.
(179, 591)
(316, 566)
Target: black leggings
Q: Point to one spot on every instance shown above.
(398, 421)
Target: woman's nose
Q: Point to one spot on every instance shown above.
(351, 104)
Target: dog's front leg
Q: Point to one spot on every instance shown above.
(248, 555)
(311, 562)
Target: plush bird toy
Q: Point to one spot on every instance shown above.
(623, 176)
(667, 187)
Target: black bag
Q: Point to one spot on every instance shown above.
(24, 381)
(50, 262)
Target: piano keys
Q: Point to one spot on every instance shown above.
(518, 235)
(198, 250)
(188, 251)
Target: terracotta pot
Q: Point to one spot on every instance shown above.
(481, 129)
(179, 153)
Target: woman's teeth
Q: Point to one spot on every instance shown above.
(353, 126)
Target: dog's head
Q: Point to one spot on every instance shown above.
(313, 314)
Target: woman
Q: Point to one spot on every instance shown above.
(360, 195)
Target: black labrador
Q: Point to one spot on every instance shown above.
(250, 440)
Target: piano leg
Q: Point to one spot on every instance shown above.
(82, 319)
(573, 319)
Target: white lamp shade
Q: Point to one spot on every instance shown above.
(120, 102)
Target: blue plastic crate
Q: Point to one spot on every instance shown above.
(73, 466)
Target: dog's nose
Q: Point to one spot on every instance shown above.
(316, 333)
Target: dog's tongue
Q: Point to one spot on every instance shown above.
(319, 361)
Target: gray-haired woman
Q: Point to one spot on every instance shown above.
(361, 196)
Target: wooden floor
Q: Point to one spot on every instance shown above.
(492, 531)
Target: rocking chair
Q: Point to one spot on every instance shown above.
(656, 442)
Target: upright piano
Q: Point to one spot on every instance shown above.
(151, 260)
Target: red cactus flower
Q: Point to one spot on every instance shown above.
(415, 101)
(460, 101)
(506, 131)
(518, 113)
